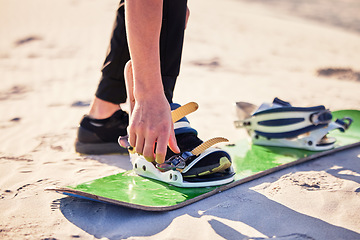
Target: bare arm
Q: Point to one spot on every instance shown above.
(151, 117)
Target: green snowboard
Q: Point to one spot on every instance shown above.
(249, 161)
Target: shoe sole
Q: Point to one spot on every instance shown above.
(99, 148)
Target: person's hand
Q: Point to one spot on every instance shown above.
(151, 124)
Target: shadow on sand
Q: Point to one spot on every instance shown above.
(266, 216)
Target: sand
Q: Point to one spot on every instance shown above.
(51, 53)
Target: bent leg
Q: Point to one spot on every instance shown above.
(111, 87)
(112, 83)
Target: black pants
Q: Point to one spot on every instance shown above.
(112, 84)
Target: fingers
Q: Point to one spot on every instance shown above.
(132, 137)
(139, 146)
(150, 123)
(146, 146)
(148, 151)
(162, 144)
(142, 145)
(161, 148)
(173, 144)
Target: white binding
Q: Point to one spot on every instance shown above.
(302, 141)
(280, 115)
(146, 169)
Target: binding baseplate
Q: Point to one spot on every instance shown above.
(173, 171)
(282, 125)
(179, 169)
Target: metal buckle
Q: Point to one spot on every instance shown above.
(345, 122)
(176, 162)
(315, 118)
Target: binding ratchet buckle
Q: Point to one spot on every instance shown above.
(321, 117)
(176, 162)
(345, 122)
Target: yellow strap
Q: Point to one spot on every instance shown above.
(184, 110)
(205, 145)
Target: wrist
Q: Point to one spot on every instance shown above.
(148, 94)
(149, 87)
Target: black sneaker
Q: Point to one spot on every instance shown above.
(100, 136)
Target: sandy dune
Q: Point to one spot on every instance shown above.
(50, 58)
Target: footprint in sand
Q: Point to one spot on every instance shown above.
(10, 123)
(339, 73)
(26, 190)
(80, 104)
(15, 92)
(26, 40)
(314, 181)
(52, 141)
(213, 63)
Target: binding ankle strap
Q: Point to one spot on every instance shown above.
(182, 125)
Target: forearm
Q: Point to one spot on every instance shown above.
(143, 25)
(150, 122)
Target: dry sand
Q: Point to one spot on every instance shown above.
(50, 56)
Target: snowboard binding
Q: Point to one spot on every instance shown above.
(282, 125)
(203, 166)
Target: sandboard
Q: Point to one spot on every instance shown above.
(249, 161)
